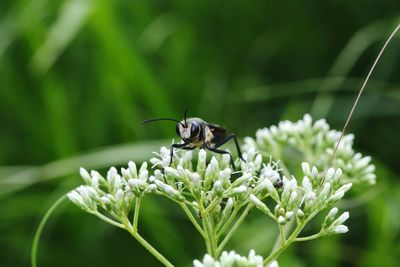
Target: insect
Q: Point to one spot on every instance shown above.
(197, 133)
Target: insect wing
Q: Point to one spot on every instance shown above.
(218, 132)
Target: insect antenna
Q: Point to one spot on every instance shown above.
(360, 93)
(162, 119)
(184, 116)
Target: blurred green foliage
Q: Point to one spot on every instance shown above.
(78, 76)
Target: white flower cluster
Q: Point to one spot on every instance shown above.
(232, 259)
(314, 143)
(335, 226)
(316, 192)
(213, 183)
(115, 193)
(285, 174)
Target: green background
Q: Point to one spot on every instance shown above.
(77, 77)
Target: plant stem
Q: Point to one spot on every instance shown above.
(290, 240)
(136, 214)
(145, 244)
(282, 234)
(234, 228)
(212, 205)
(151, 249)
(228, 222)
(207, 239)
(193, 220)
(307, 238)
(211, 236)
(108, 220)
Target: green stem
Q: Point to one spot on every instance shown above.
(207, 239)
(212, 205)
(193, 220)
(136, 214)
(145, 244)
(234, 228)
(36, 239)
(307, 238)
(286, 229)
(284, 246)
(290, 240)
(228, 222)
(211, 237)
(108, 220)
(282, 234)
(151, 249)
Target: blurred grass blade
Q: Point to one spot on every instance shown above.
(307, 86)
(72, 18)
(18, 20)
(154, 35)
(103, 158)
(347, 59)
(39, 230)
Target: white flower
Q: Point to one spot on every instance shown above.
(232, 259)
(339, 229)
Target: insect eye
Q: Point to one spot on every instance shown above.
(194, 130)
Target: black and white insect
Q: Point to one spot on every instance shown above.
(197, 133)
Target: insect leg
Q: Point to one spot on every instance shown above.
(220, 151)
(229, 137)
(177, 146)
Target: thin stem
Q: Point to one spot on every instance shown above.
(38, 232)
(234, 228)
(127, 225)
(286, 229)
(151, 249)
(193, 220)
(290, 240)
(361, 91)
(211, 237)
(282, 234)
(228, 222)
(307, 238)
(210, 240)
(136, 214)
(207, 239)
(212, 205)
(284, 246)
(108, 220)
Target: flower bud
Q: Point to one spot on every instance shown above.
(271, 189)
(342, 218)
(238, 190)
(306, 168)
(307, 184)
(242, 179)
(201, 161)
(211, 173)
(281, 220)
(218, 188)
(85, 176)
(339, 229)
(259, 204)
(77, 199)
(329, 174)
(292, 203)
(132, 169)
(227, 210)
(329, 218)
